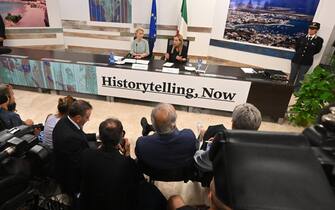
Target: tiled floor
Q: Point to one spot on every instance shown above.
(37, 106)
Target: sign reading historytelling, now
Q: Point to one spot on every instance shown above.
(204, 92)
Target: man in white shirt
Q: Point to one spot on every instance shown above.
(69, 141)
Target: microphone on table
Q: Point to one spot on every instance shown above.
(136, 48)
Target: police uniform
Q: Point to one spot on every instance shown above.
(305, 49)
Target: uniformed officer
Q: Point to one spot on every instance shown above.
(305, 49)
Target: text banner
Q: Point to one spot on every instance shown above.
(204, 92)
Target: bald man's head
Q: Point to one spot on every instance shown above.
(163, 118)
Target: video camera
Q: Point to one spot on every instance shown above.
(25, 166)
(277, 170)
(322, 139)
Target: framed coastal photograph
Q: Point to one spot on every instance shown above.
(274, 23)
(117, 11)
(24, 13)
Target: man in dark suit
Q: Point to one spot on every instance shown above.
(2, 31)
(305, 49)
(69, 141)
(168, 148)
(110, 177)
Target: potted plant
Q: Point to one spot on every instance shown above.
(316, 92)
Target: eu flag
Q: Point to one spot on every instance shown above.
(153, 27)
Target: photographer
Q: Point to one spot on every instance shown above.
(8, 116)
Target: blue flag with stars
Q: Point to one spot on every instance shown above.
(153, 27)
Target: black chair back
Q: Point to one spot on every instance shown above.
(270, 170)
(4, 50)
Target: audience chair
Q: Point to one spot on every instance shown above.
(267, 170)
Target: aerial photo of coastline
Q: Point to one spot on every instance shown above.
(24, 13)
(118, 11)
(269, 22)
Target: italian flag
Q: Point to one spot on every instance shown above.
(182, 28)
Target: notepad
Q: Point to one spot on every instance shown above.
(120, 62)
(170, 70)
(145, 62)
(139, 66)
(248, 70)
(190, 68)
(118, 58)
(129, 60)
(168, 64)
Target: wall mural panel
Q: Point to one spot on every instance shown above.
(269, 22)
(24, 13)
(49, 75)
(118, 11)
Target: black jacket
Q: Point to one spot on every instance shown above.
(306, 49)
(69, 142)
(173, 54)
(2, 28)
(109, 181)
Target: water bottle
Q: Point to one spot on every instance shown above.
(199, 64)
(111, 58)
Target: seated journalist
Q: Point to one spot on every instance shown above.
(168, 148)
(177, 52)
(63, 107)
(8, 114)
(139, 46)
(69, 141)
(111, 178)
(245, 117)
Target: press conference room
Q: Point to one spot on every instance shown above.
(167, 105)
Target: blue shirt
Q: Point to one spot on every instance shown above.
(10, 119)
(168, 151)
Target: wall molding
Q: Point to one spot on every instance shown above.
(96, 36)
(83, 25)
(31, 36)
(125, 33)
(33, 30)
(174, 28)
(252, 49)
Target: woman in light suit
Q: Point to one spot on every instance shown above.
(140, 46)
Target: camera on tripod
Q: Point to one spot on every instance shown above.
(24, 167)
(322, 139)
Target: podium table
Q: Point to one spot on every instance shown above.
(216, 87)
